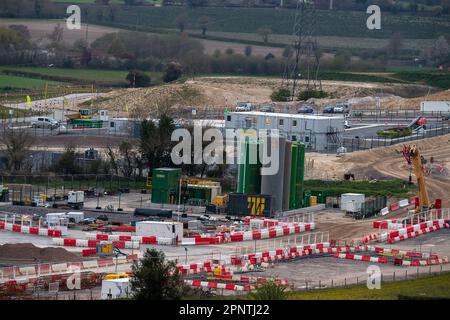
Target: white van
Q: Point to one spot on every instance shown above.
(44, 122)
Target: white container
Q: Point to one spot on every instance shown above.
(75, 197)
(160, 229)
(57, 221)
(352, 202)
(116, 289)
(77, 216)
(435, 106)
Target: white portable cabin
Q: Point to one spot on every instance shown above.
(116, 288)
(160, 229)
(58, 221)
(77, 216)
(352, 202)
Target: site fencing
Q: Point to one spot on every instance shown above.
(365, 143)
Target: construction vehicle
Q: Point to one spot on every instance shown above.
(414, 159)
(81, 114)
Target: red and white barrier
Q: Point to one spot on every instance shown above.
(402, 253)
(272, 232)
(217, 285)
(361, 258)
(68, 242)
(428, 262)
(129, 238)
(29, 230)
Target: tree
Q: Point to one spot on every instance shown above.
(127, 153)
(154, 278)
(439, 53)
(37, 8)
(229, 51)
(248, 51)
(204, 22)
(281, 94)
(155, 143)
(57, 33)
(17, 148)
(264, 32)
(22, 30)
(67, 163)
(181, 21)
(138, 79)
(172, 72)
(270, 290)
(395, 44)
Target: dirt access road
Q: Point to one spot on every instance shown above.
(387, 162)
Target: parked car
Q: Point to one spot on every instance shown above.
(44, 122)
(328, 109)
(267, 108)
(244, 106)
(305, 109)
(103, 217)
(88, 221)
(342, 108)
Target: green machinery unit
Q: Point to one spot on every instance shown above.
(296, 198)
(249, 174)
(87, 123)
(165, 185)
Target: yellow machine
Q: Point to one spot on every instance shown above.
(116, 276)
(81, 114)
(413, 158)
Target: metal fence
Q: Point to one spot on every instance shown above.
(364, 143)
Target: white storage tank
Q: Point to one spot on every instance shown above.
(161, 229)
(116, 289)
(352, 202)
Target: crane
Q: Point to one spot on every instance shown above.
(414, 159)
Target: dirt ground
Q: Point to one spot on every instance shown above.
(386, 162)
(29, 253)
(217, 93)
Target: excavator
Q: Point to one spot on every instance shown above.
(416, 161)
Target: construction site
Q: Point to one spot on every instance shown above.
(362, 184)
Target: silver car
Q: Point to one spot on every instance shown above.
(44, 122)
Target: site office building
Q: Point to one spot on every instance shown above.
(317, 132)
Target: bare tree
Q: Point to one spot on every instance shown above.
(17, 144)
(265, 32)
(181, 21)
(57, 33)
(204, 22)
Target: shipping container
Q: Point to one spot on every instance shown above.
(352, 202)
(160, 229)
(240, 204)
(166, 185)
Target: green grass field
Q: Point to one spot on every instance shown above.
(338, 23)
(393, 187)
(27, 75)
(423, 288)
(14, 83)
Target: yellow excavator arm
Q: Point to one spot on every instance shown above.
(412, 156)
